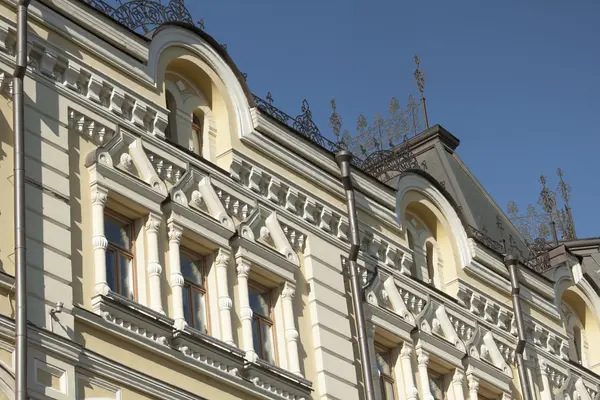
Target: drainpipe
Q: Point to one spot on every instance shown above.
(511, 263)
(19, 198)
(343, 160)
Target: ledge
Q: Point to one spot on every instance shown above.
(155, 332)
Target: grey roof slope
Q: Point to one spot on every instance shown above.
(436, 148)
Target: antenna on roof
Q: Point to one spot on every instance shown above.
(420, 81)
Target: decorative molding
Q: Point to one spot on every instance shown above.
(89, 128)
(165, 169)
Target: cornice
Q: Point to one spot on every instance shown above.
(143, 327)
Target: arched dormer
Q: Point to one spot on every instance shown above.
(434, 226)
(208, 98)
(579, 302)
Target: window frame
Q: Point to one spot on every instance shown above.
(441, 378)
(120, 251)
(197, 131)
(268, 320)
(385, 377)
(194, 286)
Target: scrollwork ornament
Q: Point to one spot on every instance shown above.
(288, 291)
(99, 197)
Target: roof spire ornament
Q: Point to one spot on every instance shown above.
(420, 81)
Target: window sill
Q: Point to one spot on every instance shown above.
(155, 332)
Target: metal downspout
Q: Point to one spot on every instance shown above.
(343, 160)
(511, 263)
(19, 199)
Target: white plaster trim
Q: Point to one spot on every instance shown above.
(413, 182)
(176, 36)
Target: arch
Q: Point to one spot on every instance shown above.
(580, 305)
(205, 48)
(415, 188)
(189, 105)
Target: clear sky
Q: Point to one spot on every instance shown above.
(518, 82)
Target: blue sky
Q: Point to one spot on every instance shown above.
(516, 81)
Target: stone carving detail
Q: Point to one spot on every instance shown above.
(414, 303)
(89, 128)
(137, 329)
(55, 64)
(6, 84)
(296, 238)
(209, 361)
(165, 169)
(237, 208)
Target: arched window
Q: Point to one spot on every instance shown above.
(171, 131)
(197, 132)
(430, 262)
(578, 344)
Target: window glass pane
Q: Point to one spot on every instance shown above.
(259, 302)
(199, 311)
(191, 269)
(436, 387)
(383, 362)
(256, 338)
(111, 270)
(389, 390)
(126, 277)
(187, 306)
(117, 233)
(267, 339)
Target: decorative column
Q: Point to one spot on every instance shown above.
(154, 267)
(407, 372)
(546, 389)
(457, 384)
(243, 270)
(291, 333)
(373, 352)
(473, 382)
(99, 198)
(221, 263)
(423, 362)
(176, 276)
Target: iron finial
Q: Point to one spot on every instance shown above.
(335, 120)
(420, 81)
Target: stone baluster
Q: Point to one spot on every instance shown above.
(473, 387)
(423, 362)
(154, 267)
(407, 372)
(243, 270)
(225, 304)
(291, 333)
(457, 384)
(546, 389)
(99, 198)
(177, 279)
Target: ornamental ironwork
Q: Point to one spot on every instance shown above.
(143, 16)
(544, 229)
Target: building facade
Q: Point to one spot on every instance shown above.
(187, 240)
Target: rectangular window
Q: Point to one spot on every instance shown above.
(194, 290)
(120, 272)
(262, 322)
(386, 377)
(436, 385)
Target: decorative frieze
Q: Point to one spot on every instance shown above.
(55, 64)
(89, 128)
(165, 169)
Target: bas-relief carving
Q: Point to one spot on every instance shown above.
(263, 226)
